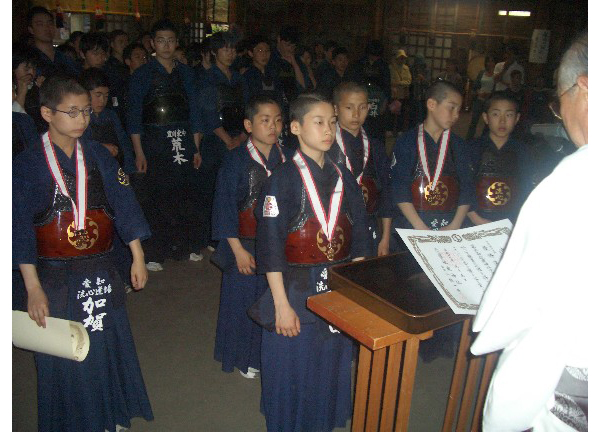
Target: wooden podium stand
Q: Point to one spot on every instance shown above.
(388, 305)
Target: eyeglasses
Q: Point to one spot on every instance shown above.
(555, 105)
(163, 41)
(74, 112)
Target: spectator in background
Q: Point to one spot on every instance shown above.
(482, 89)
(242, 60)
(259, 78)
(117, 72)
(74, 40)
(326, 65)
(503, 69)
(401, 79)
(207, 60)
(193, 54)
(68, 50)
(134, 56)
(180, 55)
(94, 50)
(318, 50)
(333, 77)
(452, 75)
(306, 57)
(146, 40)
(421, 76)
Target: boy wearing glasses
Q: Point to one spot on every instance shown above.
(69, 198)
(163, 122)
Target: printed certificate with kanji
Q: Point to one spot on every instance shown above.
(460, 263)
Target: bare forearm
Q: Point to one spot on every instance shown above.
(30, 277)
(459, 216)
(136, 250)
(197, 139)
(136, 140)
(409, 212)
(275, 280)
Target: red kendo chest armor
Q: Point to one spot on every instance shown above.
(368, 185)
(246, 220)
(496, 185)
(55, 228)
(306, 242)
(444, 198)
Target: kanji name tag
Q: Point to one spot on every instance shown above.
(460, 263)
(61, 338)
(270, 208)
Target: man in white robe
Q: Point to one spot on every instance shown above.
(538, 306)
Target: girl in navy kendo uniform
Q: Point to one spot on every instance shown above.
(69, 195)
(241, 177)
(310, 216)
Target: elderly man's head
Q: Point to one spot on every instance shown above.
(572, 90)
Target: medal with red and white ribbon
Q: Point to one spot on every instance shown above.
(79, 208)
(328, 224)
(366, 149)
(439, 167)
(255, 154)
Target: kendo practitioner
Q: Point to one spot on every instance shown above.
(40, 24)
(374, 73)
(163, 121)
(244, 171)
(432, 185)
(332, 77)
(310, 215)
(68, 199)
(260, 79)
(501, 165)
(365, 158)
(223, 93)
(118, 72)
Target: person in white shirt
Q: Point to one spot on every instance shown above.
(503, 69)
(538, 306)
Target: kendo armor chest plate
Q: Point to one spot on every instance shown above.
(444, 198)
(230, 104)
(246, 220)
(55, 231)
(166, 102)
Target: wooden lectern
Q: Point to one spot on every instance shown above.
(389, 305)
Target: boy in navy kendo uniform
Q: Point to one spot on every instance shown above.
(501, 165)
(68, 198)
(223, 93)
(164, 124)
(310, 216)
(241, 177)
(365, 157)
(432, 184)
(259, 78)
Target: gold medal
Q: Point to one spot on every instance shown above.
(330, 248)
(437, 196)
(84, 238)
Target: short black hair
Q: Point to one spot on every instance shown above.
(118, 32)
(254, 103)
(162, 25)
(500, 96)
(92, 41)
(348, 87)
(73, 37)
(515, 72)
(129, 49)
(301, 49)
(255, 40)
(221, 40)
(289, 34)
(337, 51)
(438, 91)
(374, 48)
(22, 53)
(56, 87)
(37, 10)
(303, 104)
(330, 44)
(93, 78)
(68, 49)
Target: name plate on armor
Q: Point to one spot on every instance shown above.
(443, 198)
(309, 244)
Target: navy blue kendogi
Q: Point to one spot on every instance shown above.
(239, 183)
(163, 109)
(408, 181)
(107, 388)
(503, 177)
(374, 179)
(263, 83)
(306, 378)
